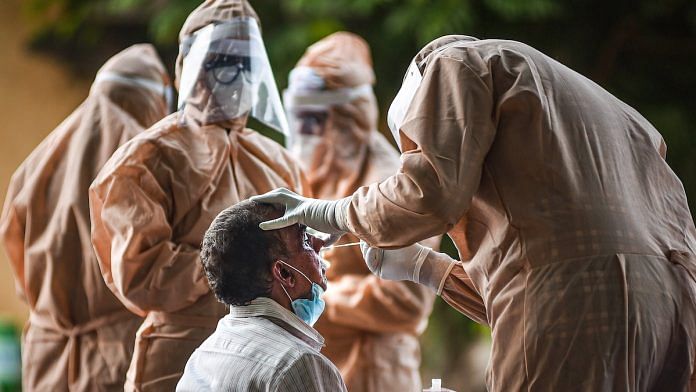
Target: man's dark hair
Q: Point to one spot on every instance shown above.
(237, 255)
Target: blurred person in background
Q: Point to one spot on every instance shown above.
(79, 335)
(154, 200)
(371, 326)
(577, 244)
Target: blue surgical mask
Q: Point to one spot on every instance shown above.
(308, 310)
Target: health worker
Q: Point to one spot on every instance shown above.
(155, 198)
(576, 242)
(79, 336)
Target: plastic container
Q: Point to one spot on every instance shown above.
(437, 387)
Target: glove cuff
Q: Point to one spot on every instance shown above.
(444, 277)
(340, 215)
(434, 270)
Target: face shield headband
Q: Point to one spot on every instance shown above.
(160, 89)
(231, 59)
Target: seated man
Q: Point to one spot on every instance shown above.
(272, 282)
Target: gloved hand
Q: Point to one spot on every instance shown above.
(416, 263)
(328, 216)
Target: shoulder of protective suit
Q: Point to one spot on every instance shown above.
(483, 58)
(140, 149)
(274, 150)
(275, 155)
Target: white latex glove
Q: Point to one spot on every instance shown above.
(416, 263)
(328, 216)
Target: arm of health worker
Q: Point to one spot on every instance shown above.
(437, 271)
(132, 236)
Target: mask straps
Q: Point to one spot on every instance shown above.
(286, 292)
(301, 273)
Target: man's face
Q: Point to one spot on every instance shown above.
(303, 254)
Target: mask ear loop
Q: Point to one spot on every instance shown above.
(282, 286)
(301, 273)
(286, 292)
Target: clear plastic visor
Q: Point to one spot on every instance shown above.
(232, 59)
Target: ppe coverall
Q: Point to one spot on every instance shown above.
(79, 336)
(371, 326)
(154, 200)
(576, 241)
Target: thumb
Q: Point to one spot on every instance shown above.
(275, 224)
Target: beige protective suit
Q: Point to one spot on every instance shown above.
(576, 238)
(371, 326)
(154, 200)
(79, 335)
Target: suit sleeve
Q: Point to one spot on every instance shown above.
(447, 134)
(460, 293)
(132, 236)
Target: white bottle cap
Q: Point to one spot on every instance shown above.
(437, 384)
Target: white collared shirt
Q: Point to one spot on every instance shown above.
(261, 347)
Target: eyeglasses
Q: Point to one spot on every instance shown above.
(227, 68)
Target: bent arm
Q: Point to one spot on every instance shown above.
(132, 237)
(448, 132)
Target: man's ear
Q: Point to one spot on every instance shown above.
(282, 274)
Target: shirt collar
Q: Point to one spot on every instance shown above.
(268, 308)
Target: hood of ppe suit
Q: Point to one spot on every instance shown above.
(352, 152)
(342, 59)
(45, 227)
(141, 63)
(438, 44)
(202, 108)
(212, 11)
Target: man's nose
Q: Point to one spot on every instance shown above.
(317, 243)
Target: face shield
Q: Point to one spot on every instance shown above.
(402, 101)
(230, 60)
(307, 107)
